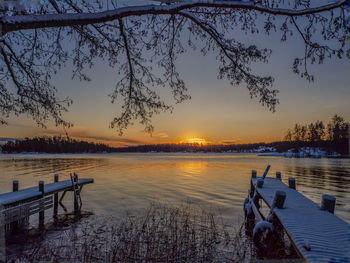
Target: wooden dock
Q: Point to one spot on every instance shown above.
(20, 204)
(32, 193)
(317, 234)
(17, 206)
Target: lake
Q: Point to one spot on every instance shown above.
(129, 182)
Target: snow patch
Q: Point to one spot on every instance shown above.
(303, 152)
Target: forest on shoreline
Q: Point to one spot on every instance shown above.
(331, 138)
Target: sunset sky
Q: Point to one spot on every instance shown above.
(217, 112)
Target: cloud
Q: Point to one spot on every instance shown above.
(160, 135)
(86, 133)
(229, 142)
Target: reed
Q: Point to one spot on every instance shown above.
(164, 233)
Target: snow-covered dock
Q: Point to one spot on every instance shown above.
(33, 192)
(317, 234)
(18, 205)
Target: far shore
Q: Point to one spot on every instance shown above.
(310, 153)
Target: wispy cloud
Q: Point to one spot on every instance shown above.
(160, 135)
(88, 134)
(228, 142)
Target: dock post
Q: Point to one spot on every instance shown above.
(328, 203)
(76, 207)
(42, 213)
(55, 198)
(260, 183)
(291, 183)
(14, 225)
(278, 176)
(253, 173)
(15, 185)
(278, 201)
(251, 183)
(2, 236)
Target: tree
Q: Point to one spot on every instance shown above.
(311, 133)
(320, 133)
(337, 129)
(143, 42)
(289, 136)
(298, 133)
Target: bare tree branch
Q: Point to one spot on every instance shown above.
(14, 23)
(142, 44)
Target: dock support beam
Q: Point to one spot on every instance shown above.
(252, 189)
(328, 203)
(55, 198)
(42, 213)
(251, 184)
(76, 206)
(2, 236)
(14, 225)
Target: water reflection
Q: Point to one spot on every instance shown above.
(192, 168)
(129, 182)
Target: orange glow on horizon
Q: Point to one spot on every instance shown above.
(195, 140)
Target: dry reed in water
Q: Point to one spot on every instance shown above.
(186, 233)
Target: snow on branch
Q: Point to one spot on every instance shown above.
(20, 22)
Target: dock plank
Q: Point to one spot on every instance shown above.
(33, 192)
(327, 235)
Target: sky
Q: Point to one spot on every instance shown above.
(217, 112)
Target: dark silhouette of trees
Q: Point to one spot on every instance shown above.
(333, 137)
(337, 133)
(143, 42)
(56, 144)
(196, 147)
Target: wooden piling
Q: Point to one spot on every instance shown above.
(251, 184)
(14, 225)
(278, 201)
(15, 184)
(76, 206)
(349, 140)
(328, 203)
(2, 236)
(253, 173)
(278, 175)
(291, 183)
(42, 213)
(260, 183)
(55, 198)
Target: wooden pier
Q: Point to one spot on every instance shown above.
(316, 233)
(20, 204)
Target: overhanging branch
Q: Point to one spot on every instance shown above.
(21, 22)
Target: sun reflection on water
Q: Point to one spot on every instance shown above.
(192, 168)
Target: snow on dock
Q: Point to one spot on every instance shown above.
(318, 235)
(33, 192)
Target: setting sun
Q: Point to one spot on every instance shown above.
(194, 140)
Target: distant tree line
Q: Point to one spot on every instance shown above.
(56, 144)
(333, 137)
(196, 147)
(190, 147)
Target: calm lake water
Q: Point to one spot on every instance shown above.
(130, 182)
